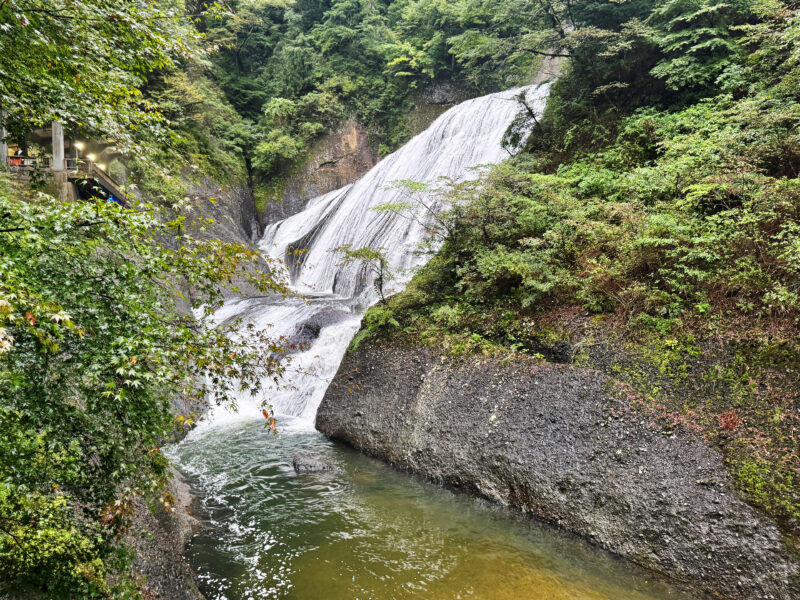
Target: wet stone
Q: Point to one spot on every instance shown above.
(305, 462)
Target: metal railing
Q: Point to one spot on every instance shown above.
(22, 164)
(77, 168)
(83, 168)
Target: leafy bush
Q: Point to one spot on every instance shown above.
(95, 356)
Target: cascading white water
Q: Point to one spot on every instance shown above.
(365, 530)
(466, 136)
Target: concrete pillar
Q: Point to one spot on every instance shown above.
(3, 141)
(64, 186)
(58, 147)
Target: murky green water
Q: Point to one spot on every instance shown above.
(370, 532)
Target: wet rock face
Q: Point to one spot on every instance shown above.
(159, 538)
(560, 443)
(444, 93)
(308, 331)
(334, 161)
(231, 211)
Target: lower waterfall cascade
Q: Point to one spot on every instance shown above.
(362, 529)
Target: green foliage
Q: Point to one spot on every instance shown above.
(95, 355)
(378, 318)
(323, 63)
(697, 39)
(38, 533)
(290, 127)
(624, 56)
(207, 132)
(659, 193)
(82, 63)
(98, 349)
(621, 230)
(130, 71)
(771, 486)
(297, 69)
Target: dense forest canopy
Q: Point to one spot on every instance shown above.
(658, 191)
(294, 70)
(83, 63)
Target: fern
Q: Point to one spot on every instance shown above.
(698, 39)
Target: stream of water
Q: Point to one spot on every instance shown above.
(368, 531)
(365, 530)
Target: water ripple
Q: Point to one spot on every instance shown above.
(367, 531)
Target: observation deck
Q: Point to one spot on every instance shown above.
(78, 178)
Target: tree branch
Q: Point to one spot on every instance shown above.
(12, 229)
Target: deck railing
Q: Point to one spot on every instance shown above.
(99, 175)
(76, 168)
(22, 164)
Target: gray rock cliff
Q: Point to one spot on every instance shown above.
(562, 444)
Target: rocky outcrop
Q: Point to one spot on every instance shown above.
(563, 444)
(225, 213)
(306, 462)
(334, 161)
(158, 538)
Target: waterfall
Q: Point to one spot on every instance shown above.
(466, 136)
(364, 530)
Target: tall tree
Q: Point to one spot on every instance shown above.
(82, 62)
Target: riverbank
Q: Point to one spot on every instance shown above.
(159, 539)
(568, 445)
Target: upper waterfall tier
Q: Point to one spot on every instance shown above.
(466, 136)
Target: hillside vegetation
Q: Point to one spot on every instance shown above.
(101, 360)
(295, 70)
(649, 228)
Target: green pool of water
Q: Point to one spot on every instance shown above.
(368, 531)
